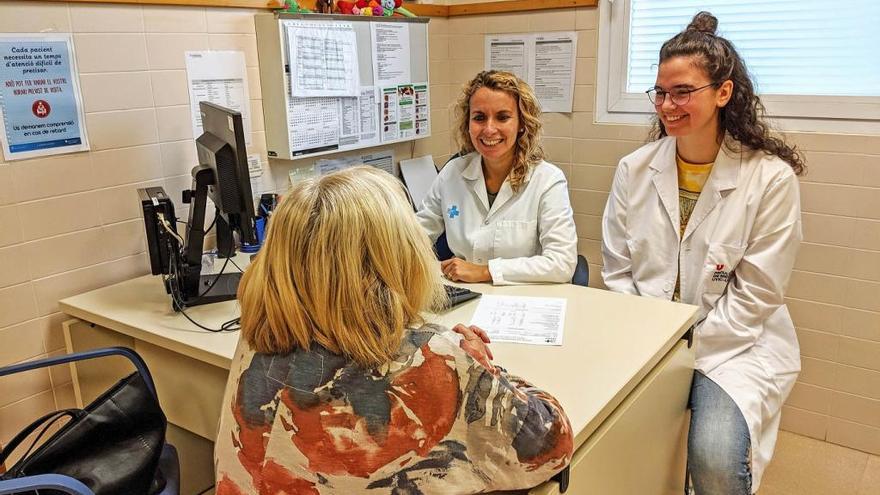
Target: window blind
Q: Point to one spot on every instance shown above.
(791, 47)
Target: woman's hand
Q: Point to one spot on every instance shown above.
(475, 342)
(459, 270)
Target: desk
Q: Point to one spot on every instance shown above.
(623, 375)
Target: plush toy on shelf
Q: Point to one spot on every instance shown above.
(385, 8)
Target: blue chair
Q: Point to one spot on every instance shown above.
(169, 465)
(581, 272)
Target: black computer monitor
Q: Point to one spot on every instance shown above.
(221, 148)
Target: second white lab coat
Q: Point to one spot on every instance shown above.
(525, 237)
(734, 262)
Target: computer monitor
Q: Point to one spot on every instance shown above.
(221, 148)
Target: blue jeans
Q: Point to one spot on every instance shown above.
(719, 445)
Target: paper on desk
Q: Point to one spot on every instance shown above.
(522, 319)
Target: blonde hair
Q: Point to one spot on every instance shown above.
(345, 265)
(528, 152)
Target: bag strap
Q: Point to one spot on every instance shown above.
(50, 418)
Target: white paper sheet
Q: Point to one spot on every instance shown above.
(418, 175)
(553, 79)
(218, 77)
(512, 53)
(521, 319)
(383, 160)
(391, 53)
(313, 125)
(323, 58)
(389, 113)
(358, 120)
(369, 116)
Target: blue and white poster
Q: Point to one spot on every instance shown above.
(39, 97)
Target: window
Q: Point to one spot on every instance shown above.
(815, 63)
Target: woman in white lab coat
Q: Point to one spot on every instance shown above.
(709, 214)
(505, 210)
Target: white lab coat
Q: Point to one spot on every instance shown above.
(745, 229)
(525, 237)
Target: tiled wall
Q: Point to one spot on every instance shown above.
(71, 223)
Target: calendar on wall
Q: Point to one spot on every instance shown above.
(342, 82)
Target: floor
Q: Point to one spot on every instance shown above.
(805, 466)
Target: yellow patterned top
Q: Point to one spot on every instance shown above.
(691, 179)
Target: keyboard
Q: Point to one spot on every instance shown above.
(458, 295)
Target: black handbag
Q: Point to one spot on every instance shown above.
(112, 446)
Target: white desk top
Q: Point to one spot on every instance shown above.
(611, 340)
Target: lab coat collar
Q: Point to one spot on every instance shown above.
(666, 181)
(722, 179)
(473, 173)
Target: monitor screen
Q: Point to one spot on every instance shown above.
(221, 147)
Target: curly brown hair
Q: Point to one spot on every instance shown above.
(743, 118)
(528, 151)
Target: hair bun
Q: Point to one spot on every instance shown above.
(703, 22)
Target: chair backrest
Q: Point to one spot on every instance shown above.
(581, 272)
(56, 482)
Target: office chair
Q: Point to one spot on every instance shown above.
(169, 465)
(581, 272)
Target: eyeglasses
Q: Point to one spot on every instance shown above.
(679, 96)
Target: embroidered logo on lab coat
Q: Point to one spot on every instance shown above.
(453, 211)
(720, 274)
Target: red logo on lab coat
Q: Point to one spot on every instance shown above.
(719, 267)
(41, 108)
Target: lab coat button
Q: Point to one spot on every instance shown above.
(486, 222)
(667, 287)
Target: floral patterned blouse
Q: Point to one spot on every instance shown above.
(432, 420)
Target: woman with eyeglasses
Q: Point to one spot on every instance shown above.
(709, 214)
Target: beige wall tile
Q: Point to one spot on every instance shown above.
(124, 239)
(119, 204)
(850, 143)
(440, 72)
(862, 353)
(552, 20)
(438, 25)
(59, 215)
(813, 425)
(116, 52)
(871, 479)
(253, 83)
(52, 331)
(438, 47)
(829, 229)
(174, 123)
(166, 51)
(64, 397)
(440, 120)
(592, 177)
(832, 199)
(465, 70)
(557, 125)
(810, 398)
(257, 122)
(857, 409)
(47, 177)
(854, 435)
(818, 372)
(587, 18)
(7, 191)
(839, 168)
(558, 149)
(589, 227)
(601, 151)
(122, 129)
(585, 128)
(441, 96)
(590, 249)
(13, 265)
(17, 304)
(15, 416)
(867, 234)
(25, 384)
(857, 381)
(588, 202)
(818, 344)
(59, 374)
(860, 324)
(66, 252)
(817, 287)
(175, 19)
(230, 20)
(174, 187)
(246, 43)
(105, 18)
(178, 157)
(585, 71)
(11, 231)
(125, 165)
(862, 294)
(21, 341)
(50, 290)
(466, 47)
(588, 43)
(469, 24)
(514, 22)
(116, 91)
(584, 96)
(34, 17)
(815, 316)
(822, 258)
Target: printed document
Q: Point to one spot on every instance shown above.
(511, 53)
(323, 58)
(521, 319)
(391, 53)
(218, 77)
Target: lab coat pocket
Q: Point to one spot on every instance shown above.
(721, 261)
(516, 238)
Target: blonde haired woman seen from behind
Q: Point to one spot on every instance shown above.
(505, 210)
(339, 387)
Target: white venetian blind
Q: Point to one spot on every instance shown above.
(791, 47)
